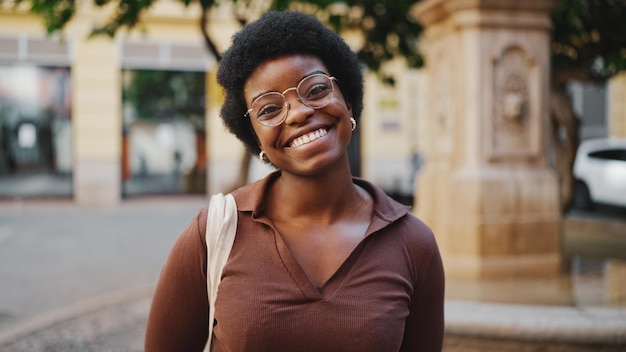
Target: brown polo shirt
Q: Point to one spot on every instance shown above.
(386, 296)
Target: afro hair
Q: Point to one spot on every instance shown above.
(276, 34)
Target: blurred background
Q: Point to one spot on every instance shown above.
(503, 125)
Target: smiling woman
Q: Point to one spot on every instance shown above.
(321, 260)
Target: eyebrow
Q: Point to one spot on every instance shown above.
(303, 77)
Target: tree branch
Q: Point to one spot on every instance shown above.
(204, 20)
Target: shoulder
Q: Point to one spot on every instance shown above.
(195, 231)
(413, 224)
(415, 232)
(414, 244)
(398, 224)
(395, 216)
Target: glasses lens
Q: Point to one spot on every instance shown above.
(269, 109)
(316, 90)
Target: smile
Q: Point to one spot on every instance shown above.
(308, 138)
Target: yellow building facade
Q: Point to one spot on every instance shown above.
(169, 38)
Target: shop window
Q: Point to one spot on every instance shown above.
(163, 150)
(35, 131)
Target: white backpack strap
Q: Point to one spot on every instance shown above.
(221, 226)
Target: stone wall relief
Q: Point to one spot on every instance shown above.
(514, 103)
(514, 106)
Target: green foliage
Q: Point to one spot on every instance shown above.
(127, 14)
(165, 94)
(56, 14)
(158, 92)
(589, 36)
(388, 31)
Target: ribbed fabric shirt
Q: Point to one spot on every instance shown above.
(387, 296)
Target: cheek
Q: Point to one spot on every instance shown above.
(340, 103)
(265, 136)
(341, 109)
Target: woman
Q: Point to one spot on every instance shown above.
(321, 261)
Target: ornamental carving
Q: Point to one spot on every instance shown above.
(514, 110)
(514, 102)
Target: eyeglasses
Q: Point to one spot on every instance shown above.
(314, 91)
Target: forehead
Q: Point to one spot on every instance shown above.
(281, 73)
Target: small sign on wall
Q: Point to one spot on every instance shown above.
(390, 125)
(389, 121)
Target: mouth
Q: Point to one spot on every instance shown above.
(308, 138)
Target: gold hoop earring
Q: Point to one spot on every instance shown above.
(353, 122)
(263, 157)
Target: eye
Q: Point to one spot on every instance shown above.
(268, 111)
(317, 91)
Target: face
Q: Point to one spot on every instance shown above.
(309, 141)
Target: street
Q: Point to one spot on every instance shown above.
(57, 259)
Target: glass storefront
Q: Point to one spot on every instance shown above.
(163, 144)
(35, 131)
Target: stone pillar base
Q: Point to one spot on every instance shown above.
(527, 266)
(97, 183)
(494, 222)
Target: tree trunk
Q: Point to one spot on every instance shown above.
(210, 45)
(564, 141)
(246, 158)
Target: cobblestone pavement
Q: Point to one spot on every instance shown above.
(118, 328)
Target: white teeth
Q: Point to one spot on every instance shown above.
(308, 138)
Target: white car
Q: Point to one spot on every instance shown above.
(600, 173)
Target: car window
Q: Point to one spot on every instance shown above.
(609, 154)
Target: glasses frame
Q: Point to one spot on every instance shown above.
(287, 106)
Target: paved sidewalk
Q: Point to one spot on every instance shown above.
(114, 328)
(81, 279)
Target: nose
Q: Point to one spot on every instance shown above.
(297, 111)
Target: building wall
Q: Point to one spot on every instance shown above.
(391, 140)
(589, 103)
(601, 107)
(617, 106)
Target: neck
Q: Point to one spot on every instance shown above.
(324, 197)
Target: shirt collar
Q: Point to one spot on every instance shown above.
(250, 198)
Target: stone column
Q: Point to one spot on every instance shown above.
(96, 116)
(486, 188)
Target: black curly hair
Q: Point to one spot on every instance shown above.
(276, 34)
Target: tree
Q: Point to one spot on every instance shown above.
(588, 45)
